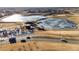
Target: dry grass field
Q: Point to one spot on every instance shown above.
(72, 34)
(40, 46)
(74, 18)
(9, 25)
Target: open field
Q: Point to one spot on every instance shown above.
(45, 40)
(40, 46)
(71, 35)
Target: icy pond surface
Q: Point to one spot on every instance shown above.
(56, 23)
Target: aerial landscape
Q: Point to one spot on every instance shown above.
(39, 28)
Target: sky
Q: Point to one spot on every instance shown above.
(39, 3)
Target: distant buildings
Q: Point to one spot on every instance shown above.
(41, 11)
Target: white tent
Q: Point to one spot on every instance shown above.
(20, 18)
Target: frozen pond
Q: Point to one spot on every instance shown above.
(56, 23)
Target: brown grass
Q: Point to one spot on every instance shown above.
(39, 46)
(72, 34)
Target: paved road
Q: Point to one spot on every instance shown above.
(55, 40)
(38, 38)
